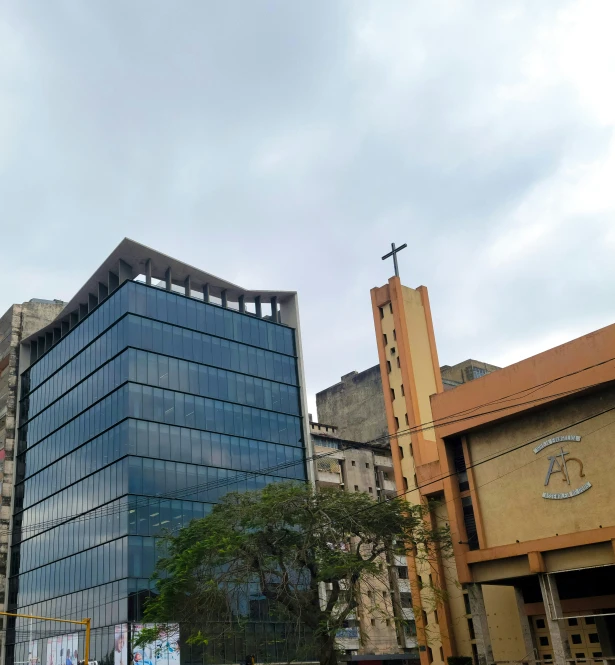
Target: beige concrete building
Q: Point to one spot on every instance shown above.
(383, 629)
(521, 462)
(355, 405)
(17, 323)
(527, 479)
(463, 372)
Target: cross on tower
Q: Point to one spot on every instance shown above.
(393, 253)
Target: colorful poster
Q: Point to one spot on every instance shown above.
(53, 650)
(71, 645)
(63, 650)
(120, 650)
(33, 652)
(163, 651)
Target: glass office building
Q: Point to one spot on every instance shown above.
(138, 411)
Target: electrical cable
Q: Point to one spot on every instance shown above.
(429, 424)
(477, 463)
(48, 524)
(398, 495)
(489, 459)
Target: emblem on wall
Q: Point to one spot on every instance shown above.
(560, 468)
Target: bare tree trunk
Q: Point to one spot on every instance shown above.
(327, 652)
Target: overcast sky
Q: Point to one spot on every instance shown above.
(285, 144)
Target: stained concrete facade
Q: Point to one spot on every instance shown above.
(355, 405)
(18, 322)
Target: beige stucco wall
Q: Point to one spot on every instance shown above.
(420, 352)
(510, 487)
(454, 593)
(571, 558)
(399, 406)
(504, 625)
(408, 463)
(501, 608)
(500, 602)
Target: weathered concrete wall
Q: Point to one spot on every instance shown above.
(37, 315)
(355, 406)
(17, 323)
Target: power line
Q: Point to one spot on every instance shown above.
(446, 421)
(493, 457)
(358, 445)
(242, 475)
(429, 424)
(533, 388)
(532, 461)
(416, 487)
(48, 524)
(177, 494)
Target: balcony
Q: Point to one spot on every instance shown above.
(408, 613)
(388, 487)
(383, 462)
(348, 645)
(330, 452)
(348, 638)
(404, 586)
(411, 642)
(400, 560)
(328, 479)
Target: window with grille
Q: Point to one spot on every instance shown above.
(469, 521)
(459, 463)
(328, 465)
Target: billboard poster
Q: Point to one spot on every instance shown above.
(33, 652)
(63, 650)
(53, 650)
(163, 651)
(120, 650)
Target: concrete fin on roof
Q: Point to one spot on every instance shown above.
(130, 259)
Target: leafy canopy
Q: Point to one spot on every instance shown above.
(285, 543)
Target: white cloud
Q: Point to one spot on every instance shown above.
(287, 144)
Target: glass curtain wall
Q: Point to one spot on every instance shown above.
(137, 421)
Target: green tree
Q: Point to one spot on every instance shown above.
(310, 554)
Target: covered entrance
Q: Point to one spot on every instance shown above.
(571, 613)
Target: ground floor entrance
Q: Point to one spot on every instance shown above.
(582, 633)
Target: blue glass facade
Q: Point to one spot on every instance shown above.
(137, 421)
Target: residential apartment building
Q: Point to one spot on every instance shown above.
(383, 628)
(158, 388)
(18, 322)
